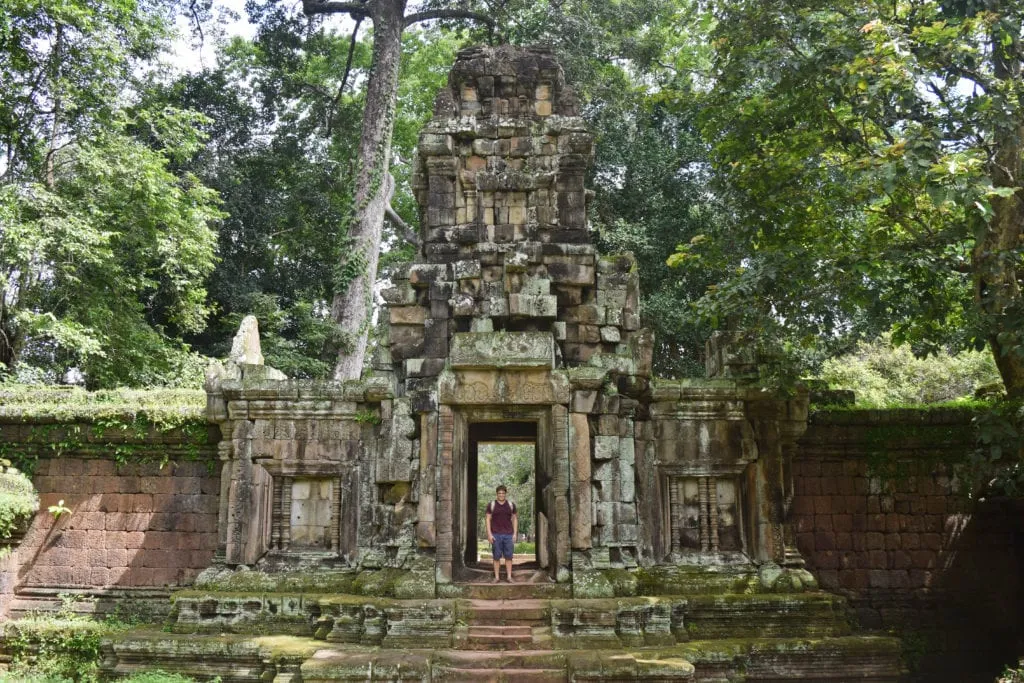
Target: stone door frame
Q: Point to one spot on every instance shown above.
(552, 463)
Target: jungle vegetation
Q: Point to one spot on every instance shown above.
(813, 179)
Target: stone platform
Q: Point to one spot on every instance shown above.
(508, 632)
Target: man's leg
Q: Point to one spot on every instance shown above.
(497, 570)
(506, 552)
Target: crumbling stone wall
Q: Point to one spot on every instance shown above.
(882, 515)
(315, 471)
(135, 527)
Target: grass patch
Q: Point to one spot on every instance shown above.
(69, 404)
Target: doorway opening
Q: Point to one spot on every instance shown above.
(504, 453)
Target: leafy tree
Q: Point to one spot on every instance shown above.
(285, 109)
(884, 375)
(872, 152)
(357, 268)
(103, 250)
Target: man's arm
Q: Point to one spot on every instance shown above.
(490, 536)
(515, 525)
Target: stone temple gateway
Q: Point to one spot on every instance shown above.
(512, 323)
(661, 507)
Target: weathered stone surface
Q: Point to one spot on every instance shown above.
(524, 350)
(245, 348)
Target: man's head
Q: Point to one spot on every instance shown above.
(501, 491)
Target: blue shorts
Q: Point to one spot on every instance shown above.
(503, 546)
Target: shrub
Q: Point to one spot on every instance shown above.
(18, 501)
(884, 376)
(56, 647)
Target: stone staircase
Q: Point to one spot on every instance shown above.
(502, 632)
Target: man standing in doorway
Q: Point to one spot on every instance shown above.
(502, 529)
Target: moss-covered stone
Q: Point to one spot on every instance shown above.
(592, 584)
(415, 584)
(624, 582)
(689, 580)
(244, 580)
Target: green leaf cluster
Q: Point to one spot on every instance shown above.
(18, 501)
(871, 153)
(64, 646)
(887, 376)
(104, 248)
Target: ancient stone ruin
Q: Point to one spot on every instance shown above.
(348, 511)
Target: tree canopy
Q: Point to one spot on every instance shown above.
(104, 248)
(872, 154)
(817, 176)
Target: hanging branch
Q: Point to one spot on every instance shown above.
(344, 78)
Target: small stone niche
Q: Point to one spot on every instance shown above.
(311, 512)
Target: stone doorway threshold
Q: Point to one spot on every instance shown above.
(530, 582)
(524, 570)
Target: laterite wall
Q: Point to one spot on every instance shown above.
(142, 511)
(883, 516)
(879, 512)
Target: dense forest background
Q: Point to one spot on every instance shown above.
(837, 186)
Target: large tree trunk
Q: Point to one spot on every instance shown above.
(353, 299)
(995, 260)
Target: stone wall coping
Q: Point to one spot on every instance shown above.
(372, 390)
(894, 416)
(16, 415)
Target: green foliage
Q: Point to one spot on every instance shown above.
(1012, 675)
(885, 376)
(104, 248)
(168, 408)
(56, 648)
(18, 501)
(160, 677)
(368, 416)
(858, 143)
(58, 510)
(998, 456)
(511, 464)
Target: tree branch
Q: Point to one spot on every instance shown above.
(404, 230)
(344, 77)
(358, 10)
(429, 14)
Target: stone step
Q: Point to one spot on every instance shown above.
(497, 638)
(509, 591)
(251, 659)
(529, 612)
(506, 675)
(514, 659)
(153, 603)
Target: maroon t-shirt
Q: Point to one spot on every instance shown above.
(501, 516)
